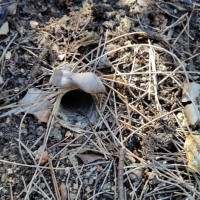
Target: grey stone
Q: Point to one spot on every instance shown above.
(72, 196)
(56, 133)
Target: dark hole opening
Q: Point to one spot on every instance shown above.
(77, 100)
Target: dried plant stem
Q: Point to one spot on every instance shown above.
(56, 188)
(121, 173)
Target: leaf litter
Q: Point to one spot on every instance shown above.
(68, 80)
(33, 103)
(191, 94)
(89, 157)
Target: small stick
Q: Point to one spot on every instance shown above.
(121, 173)
(55, 184)
(11, 192)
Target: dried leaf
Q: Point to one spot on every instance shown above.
(40, 109)
(87, 81)
(192, 150)
(33, 103)
(191, 92)
(89, 157)
(42, 156)
(192, 114)
(42, 115)
(62, 77)
(193, 89)
(63, 191)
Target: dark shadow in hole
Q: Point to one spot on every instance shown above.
(77, 101)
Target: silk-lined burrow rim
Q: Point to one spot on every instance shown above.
(78, 108)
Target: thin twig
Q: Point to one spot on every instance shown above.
(121, 173)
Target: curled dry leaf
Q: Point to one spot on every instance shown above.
(62, 77)
(39, 108)
(192, 114)
(42, 156)
(89, 157)
(191, 93)
(88, 81)
(63, 191)
(192, 150)
(33, 103)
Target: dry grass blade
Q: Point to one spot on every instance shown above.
(121, 173)
(56, 188)
(63, 191)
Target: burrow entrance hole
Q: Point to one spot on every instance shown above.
(77, 101)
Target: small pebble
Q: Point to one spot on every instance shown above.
(85, 182)
(151, 175)
(61, 57)
(182, 120)
(61, 172)
(91, 180)
(8, 55)
(34, 24)
(68, 134)
(93, 169)
(13, 157)
(40, 130)
(75, 186)
(42, 185)
(67, 170)
(9, 171)
(8, 120)
(56, 133)
(88, 174)
(73, 160)
(3, 178)
(87, 189)
(24, 131)
(64, 153)
(106, 185)
(16, 89)
(72, 196)
(22, 70)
